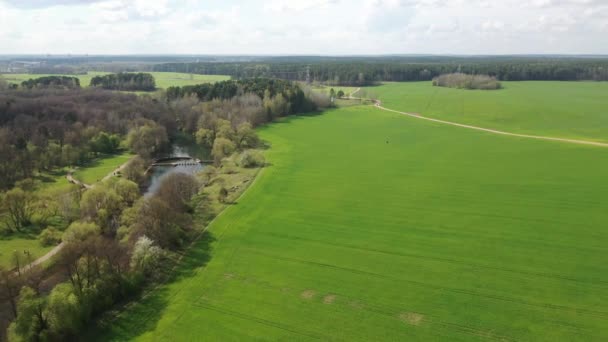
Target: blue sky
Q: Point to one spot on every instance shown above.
(318, 27)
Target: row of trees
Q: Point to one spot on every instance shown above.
(357, 72)
(259, 100)
(65, 82)
(464, 81)
(125, 81)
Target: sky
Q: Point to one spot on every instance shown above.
(304, 27)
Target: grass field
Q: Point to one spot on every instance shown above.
(562, 109)
(101, 167)
(386, 227)
(20, 243)
(163, 79)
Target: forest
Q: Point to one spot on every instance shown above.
(125, 81)
(354, 72)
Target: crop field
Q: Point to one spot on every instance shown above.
(163, 79)
(576, 110)
(370, 225)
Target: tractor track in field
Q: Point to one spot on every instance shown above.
(489, 130)
(600, 314)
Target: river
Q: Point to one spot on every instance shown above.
(158, 173)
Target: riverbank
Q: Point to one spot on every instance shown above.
(208, 205)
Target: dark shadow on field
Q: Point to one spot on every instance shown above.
(143, 314)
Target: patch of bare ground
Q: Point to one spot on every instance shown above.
(411, 318)
(308, 294)
(356, 305)
(329, 299)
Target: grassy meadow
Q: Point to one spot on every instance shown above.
(576, 110)
(370, 225)
(163, 79)
(97, 169)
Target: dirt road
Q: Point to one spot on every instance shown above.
(538, 137)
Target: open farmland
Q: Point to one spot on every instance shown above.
(576, 110)
(163, 79)
(379, 226)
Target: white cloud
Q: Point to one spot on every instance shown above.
(304, 27)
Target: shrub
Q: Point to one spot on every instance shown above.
(80, 231)
(50, 236)
(252, 159)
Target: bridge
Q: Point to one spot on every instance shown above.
(176, 161)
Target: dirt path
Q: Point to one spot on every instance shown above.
(73, 180)
(354, 92)
(117, 170)
(47, 256)
(538, 137)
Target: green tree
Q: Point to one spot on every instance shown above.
(245, 136)
(65, 312)
(31, 323)
(80, 231)
(222, 148)
(102, 205)
(135, 169)
(205, 137)
(20, 207)
(147, 139)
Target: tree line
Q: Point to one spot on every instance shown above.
(125, 81)
(358, 72)
(52, 81)
(262, 87)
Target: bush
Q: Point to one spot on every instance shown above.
(464, 81)
(50, 237)
(252, 159)
(80, 231)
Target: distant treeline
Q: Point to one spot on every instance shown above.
(354, 72)
(264, 88)
(65, 70)
(125, 81)
(52, 81)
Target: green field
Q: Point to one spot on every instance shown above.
(163, 79)
(370, 225)
(97, 169)
(20, 243)
(563, 109)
